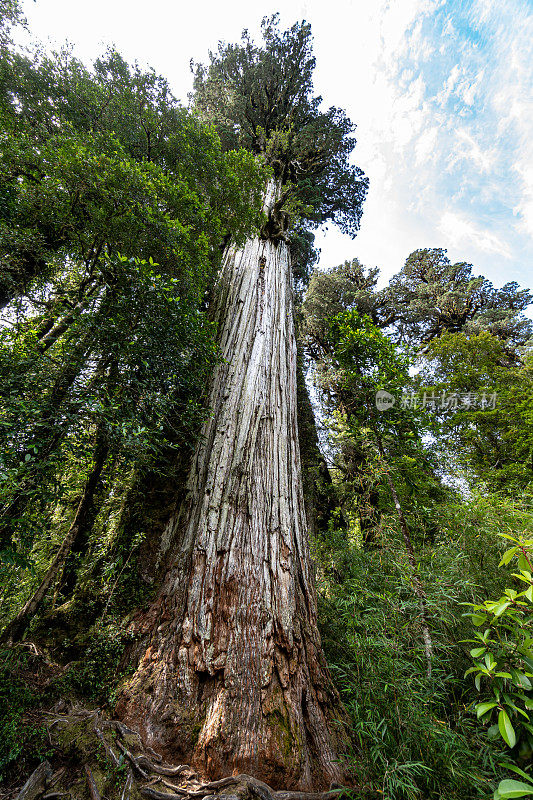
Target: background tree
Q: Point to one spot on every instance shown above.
(432, 296)
(105, 161)
(366, 572)
(427, 298)
(489, 434)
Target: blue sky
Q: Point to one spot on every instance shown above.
(441, 91)
(447, 143)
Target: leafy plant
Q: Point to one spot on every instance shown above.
(503, 665)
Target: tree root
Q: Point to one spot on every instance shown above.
(36, 783)
(93, 789)
(116, 765)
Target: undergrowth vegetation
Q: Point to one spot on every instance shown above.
(414, 736)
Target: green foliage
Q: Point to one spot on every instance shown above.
(96, 674)
(10, 14)
(503, 665)
(493, 445)
(431, 296)
(145, 355)
(15, 698)
(344, 288)
(19, 734)
(354, 360)
(413, 735)
(427, 299)
(105, 161)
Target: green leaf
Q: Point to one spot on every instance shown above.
(482, 708)
(523, 563)
(516, 769)
(500, 608)
(476, 652)
(490, 661)
(506, 729)
(521, 680)
(510, 788)
(522, 576)
(507, 556)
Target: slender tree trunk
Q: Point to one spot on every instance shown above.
(16, 628)
(48, 433)
(232, 677)
(50, 336)
(417, 584)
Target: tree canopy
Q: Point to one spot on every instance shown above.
(105, 161)
(261, 97)
(428, 297)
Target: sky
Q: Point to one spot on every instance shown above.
(441, 92)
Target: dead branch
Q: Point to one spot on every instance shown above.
(37, 782)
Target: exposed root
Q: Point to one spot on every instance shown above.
(109, 760)
(93, 789)
(36, 783)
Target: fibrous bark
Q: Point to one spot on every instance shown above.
(232, 676)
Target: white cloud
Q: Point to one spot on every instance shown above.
(459, 232)
(468, 149)
(469, 90)
(524, 208)
(426, 145)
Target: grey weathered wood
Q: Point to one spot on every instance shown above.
(36, 783)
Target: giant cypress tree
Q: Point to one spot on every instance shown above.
(231, 673)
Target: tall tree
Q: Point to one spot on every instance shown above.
(427, 298)
(231, 674)
(431, 296)
(95, 162)
(487, 432)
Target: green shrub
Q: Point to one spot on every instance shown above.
(503, 667)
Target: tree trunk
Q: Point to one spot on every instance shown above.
(319, 493)
(417, 584)
(232, 677)
(17, 627)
